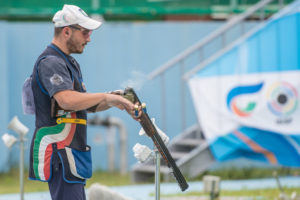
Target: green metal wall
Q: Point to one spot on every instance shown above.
(111, 9)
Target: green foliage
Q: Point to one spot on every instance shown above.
(249, 173)
(109, 178)
(10, 181)
(265, 194)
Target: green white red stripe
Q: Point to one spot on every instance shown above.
(61, 134)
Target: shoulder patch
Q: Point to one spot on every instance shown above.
(56, 80)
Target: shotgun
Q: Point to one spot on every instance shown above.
(151, 131)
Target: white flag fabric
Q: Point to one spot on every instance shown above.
(267, 101)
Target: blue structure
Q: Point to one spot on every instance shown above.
(256, 112)
(118, 52)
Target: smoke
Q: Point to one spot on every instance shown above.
(136, 81)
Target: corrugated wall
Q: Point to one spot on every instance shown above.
(119, 52)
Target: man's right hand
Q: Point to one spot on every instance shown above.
(123, 103)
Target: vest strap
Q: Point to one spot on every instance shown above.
(71, 120)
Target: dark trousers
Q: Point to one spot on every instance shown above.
(61, 190)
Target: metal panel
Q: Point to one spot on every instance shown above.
(46, 8)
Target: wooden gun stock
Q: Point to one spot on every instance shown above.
(151, 131)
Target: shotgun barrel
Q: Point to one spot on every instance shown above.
(151, 131)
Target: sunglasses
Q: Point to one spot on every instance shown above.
(85, 32)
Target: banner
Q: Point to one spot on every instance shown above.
(268, 101)
(247, 101)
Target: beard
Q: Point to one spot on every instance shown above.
(75, 46)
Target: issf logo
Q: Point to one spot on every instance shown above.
(239, 99)
(282, 99)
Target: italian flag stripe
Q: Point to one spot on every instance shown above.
(42, 149)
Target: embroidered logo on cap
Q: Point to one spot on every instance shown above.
(82, 12)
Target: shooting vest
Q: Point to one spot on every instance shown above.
(61, 138)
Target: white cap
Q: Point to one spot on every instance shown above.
(71, 14)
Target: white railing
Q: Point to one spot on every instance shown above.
(199, 47)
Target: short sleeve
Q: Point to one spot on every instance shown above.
(54, 75)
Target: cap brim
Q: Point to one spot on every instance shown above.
(90, 24)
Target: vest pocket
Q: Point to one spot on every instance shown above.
(80, 162)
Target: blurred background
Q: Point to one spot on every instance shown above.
(156, 47)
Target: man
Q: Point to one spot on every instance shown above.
(59, 153)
